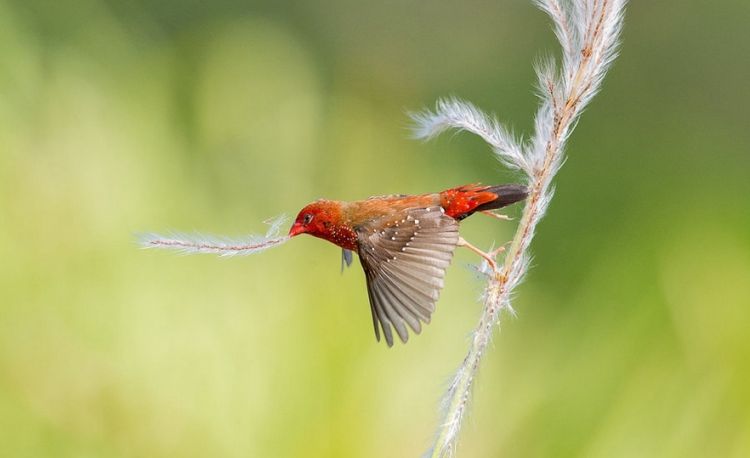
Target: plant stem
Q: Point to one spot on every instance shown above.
(588, 31)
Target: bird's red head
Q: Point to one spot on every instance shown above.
(315, 219)
(323, 219)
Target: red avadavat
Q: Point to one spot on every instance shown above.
(405, 243)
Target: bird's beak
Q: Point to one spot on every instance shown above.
(296, 229)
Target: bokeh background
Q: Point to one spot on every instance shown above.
(631, 337)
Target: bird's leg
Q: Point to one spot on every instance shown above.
(489, 257)
(499, 216)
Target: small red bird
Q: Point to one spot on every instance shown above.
(404, 243)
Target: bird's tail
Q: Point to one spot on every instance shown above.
(506, 194)
(463, 201)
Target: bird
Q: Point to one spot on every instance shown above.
(405, 243)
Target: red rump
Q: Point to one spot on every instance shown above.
(463, 201)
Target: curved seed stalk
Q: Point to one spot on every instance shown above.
(588, 32)
(222, 246)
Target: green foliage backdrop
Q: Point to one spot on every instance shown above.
(116, 117)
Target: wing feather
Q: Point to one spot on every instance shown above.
(374, 311)
(394, 319)
(402, 309)
(379, 313)
(421, 300)
(404, 258)
(412, 312)
(419, 283)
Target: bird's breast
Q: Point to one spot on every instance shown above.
(342, 235)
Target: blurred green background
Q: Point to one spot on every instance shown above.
(116, 117)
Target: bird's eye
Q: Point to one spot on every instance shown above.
(307, 218)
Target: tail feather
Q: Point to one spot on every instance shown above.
(462, 201)
(506, 194)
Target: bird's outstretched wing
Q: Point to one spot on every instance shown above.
(404, 258)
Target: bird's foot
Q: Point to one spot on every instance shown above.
(499, 216)
(488, 257)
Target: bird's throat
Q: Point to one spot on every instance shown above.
(342, 235)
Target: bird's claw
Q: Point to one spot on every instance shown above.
(489, 258)
(493, 266)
